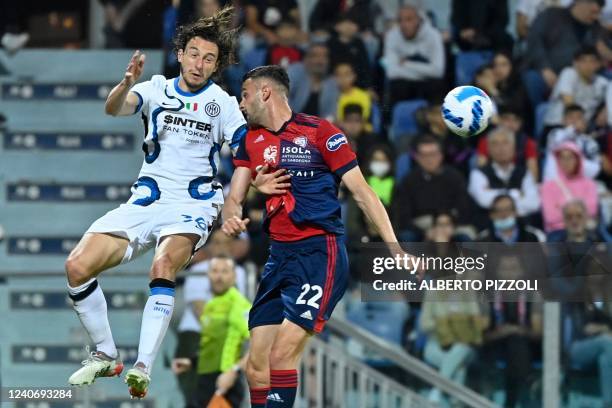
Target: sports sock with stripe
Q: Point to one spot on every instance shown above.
(258, 396)
(155, 320)
(283, 388)
(90, 305)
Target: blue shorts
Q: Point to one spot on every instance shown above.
(302, 282)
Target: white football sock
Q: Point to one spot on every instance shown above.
(90, 305)
(155, 321)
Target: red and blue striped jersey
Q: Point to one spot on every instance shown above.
(316, 154)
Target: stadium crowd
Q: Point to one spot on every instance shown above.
(541, 173)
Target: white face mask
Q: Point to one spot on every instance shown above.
(380, 168)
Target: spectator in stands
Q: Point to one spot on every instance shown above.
(313, 91)
(481, 24)
(262, 17)
(414, 57)
(355, 126)
(345, 45)
(510, 89)
(514, 335)
(350, 93)
(286, 51)
(569, 185)
(453, 321)
(575, 132)
(504, 225)
(379, 173)
(526, 149)
(553, 38)
(484, 78)
(575, 225)
(220, 357)
(457, 150)
(578, 85)
(326, 13)
(429, 188)
(378, 169)
(502, 175)
(527, 10)
(591, 337)
(128, 23)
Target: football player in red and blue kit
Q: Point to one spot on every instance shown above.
(307, 271)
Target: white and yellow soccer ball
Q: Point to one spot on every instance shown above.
(467, 110)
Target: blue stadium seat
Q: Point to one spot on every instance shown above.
(403, 121)
(376, 119)
(384, 319)
(540, 113)
(467, 63)
(403, 164)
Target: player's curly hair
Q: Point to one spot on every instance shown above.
(216, 29)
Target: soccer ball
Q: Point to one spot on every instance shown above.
(467, 110)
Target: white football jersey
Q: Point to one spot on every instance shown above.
(184, 133)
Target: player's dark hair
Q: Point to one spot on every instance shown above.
(584, 51)
(274, 72)
(571, 108)
(500, 197)
(216, 29)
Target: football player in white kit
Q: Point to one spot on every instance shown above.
(175, 200)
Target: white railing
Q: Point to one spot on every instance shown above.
(330, 378)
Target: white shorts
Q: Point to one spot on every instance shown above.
(145, 226)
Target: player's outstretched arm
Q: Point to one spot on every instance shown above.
(233, 224)
(120, 100)
(369, 203)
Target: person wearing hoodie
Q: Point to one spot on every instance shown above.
(414, 57)
(570, 184)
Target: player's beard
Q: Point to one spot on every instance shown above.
(193, 86)
(255, 116)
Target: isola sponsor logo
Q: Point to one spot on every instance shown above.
(335, 141)
(191, 123)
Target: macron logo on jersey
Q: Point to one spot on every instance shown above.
(335, 141)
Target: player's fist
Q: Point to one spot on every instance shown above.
(134, 68)
(234, 226)
(272, 183)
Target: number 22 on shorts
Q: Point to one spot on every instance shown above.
(313, 299)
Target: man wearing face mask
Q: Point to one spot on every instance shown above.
(504, 224)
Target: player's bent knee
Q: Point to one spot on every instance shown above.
(164, 267)
(257, 372)
(78, 273)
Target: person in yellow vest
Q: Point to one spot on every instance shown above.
(221, 357)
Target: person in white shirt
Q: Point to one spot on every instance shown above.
(580, 85)
(574, 130)
(501, 175)
(414, 58)
(175, 200)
